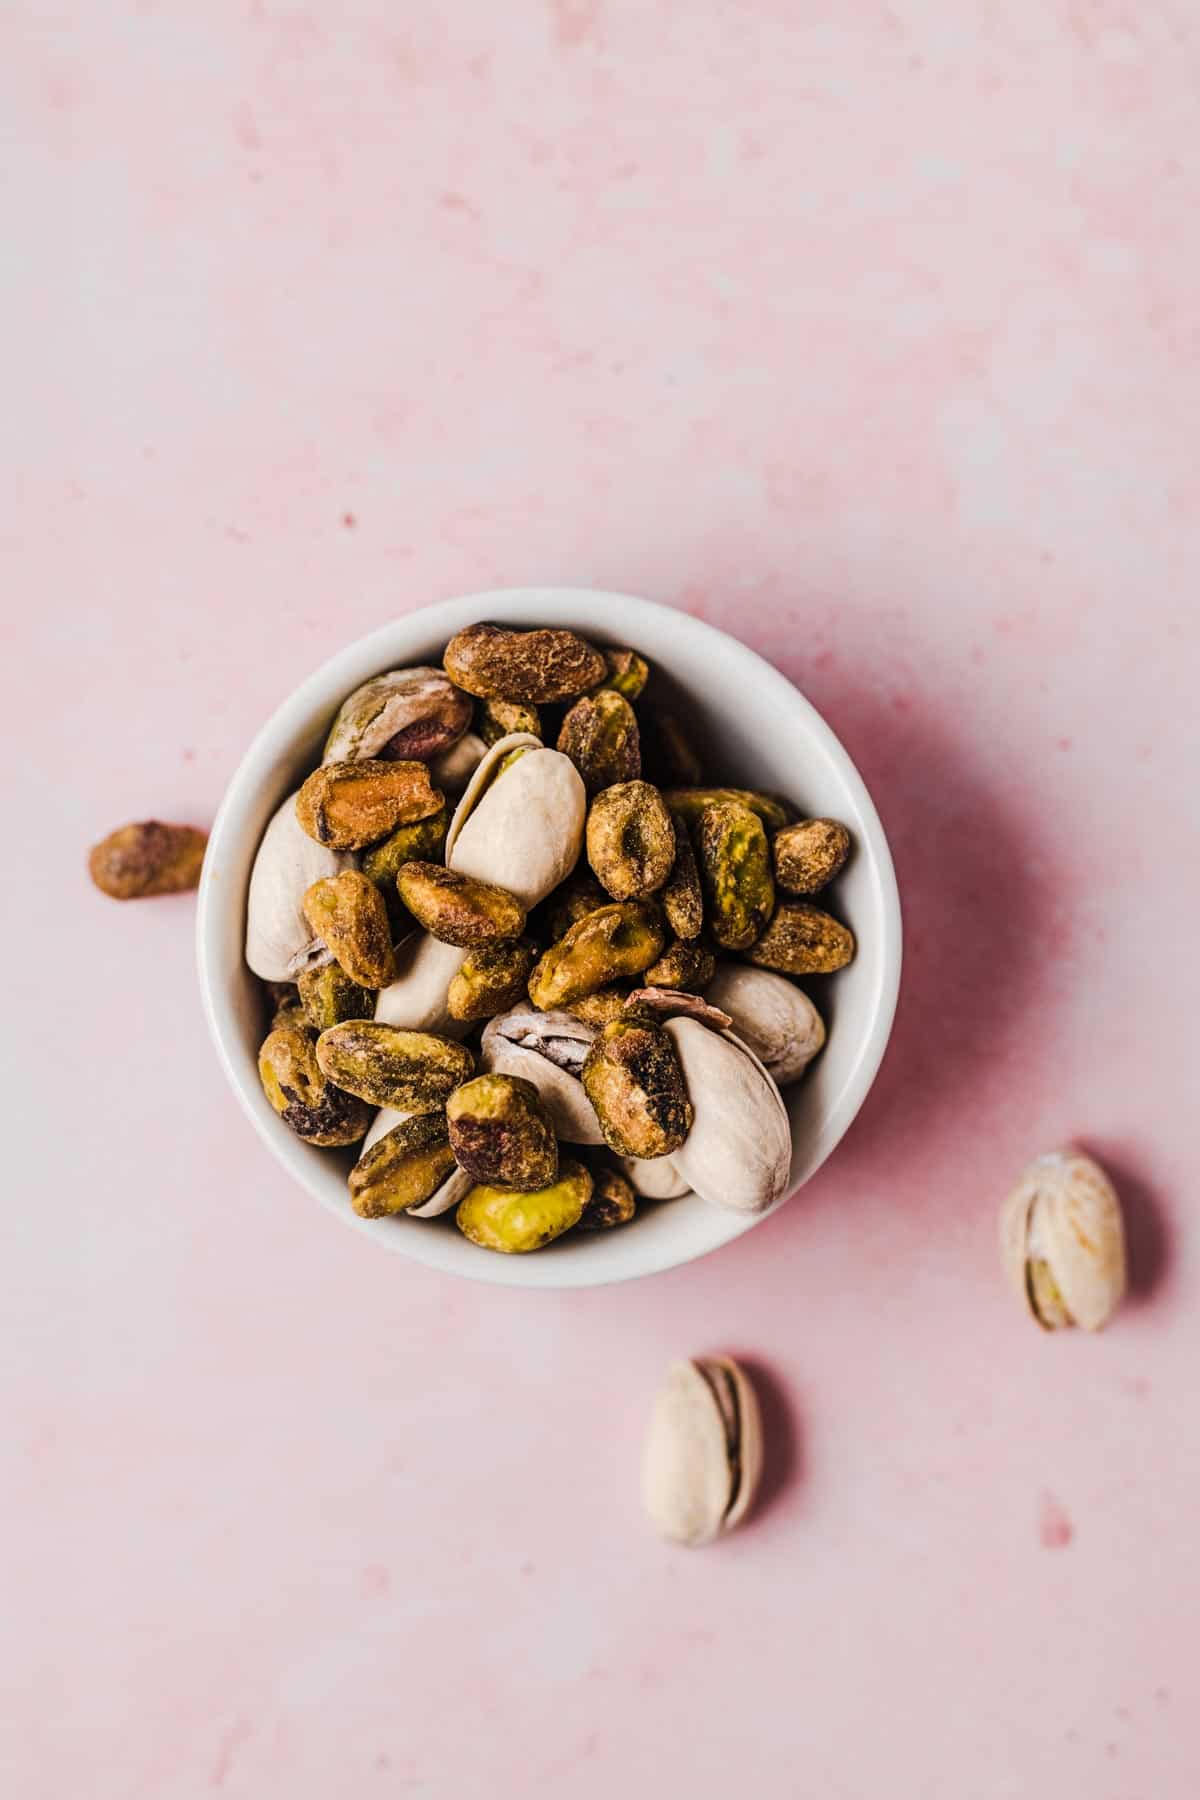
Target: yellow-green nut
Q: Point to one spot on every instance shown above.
(605, 1004)
(348, 805)
(571, 901)
(302, 1094)
(403, 1168)
(613, 1201)
(803, 940)
(630, 840)
(690, 802)
(681, 897)
(735, 868)
(600, 735)
(497, 719)
(498, 1218)
(531, 666)
(605, 946)
(809, 854)
(457, 909)
(635, 1084)
(348, 914)
(419, 842)
(328, 996)
(501, 1133)
(687, 967)
(491, 980)
(628, 673)
(415, 1071)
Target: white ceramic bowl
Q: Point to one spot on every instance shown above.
(755, 730)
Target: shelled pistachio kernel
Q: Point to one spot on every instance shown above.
(349, 805)
(150, 858)
(403, 1168)
(809, 854)
(501, 1133)
(630, 840)
(492, 979)
(607, 945)
(414, 1071)
(514, 1223)
(803, 940)
(328, 995)
(302, 1094)
(735, 871)
(348, 914)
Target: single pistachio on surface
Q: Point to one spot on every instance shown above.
(416, 1071)
(653, 1178)
(681, 897)
(419, 842)
(738, 1152)
(150, 858)
(457, 908)
(279, 939)
(604, 946)
(549, 1050)
(521, 829)
(571, 901)
(407, 714)
(735, 869)
(687, 966)
(809, 854)
(690, 802)
(403, 1169)
(627, 673)
(328, 995)
(454, 768)
(497, 1218)
(301, 1093)
(347, 913)
(636, 1086)
(1063, 1241)
(446, 1196)
(600, 735)
(348, 805)
(532, 666)
(612, 1202)
(600, 1008)
(630, 840)
(703, 1455)
(500, 718)
(802, 940)
(770, 1014)
(492, 979)
(669, 756)
(501, 1133)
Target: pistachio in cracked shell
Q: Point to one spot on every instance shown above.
(407, 714)
(774, 1017)
(738, 1153)
(630, 840)
(636, 1086)
(1063, 1241)
(681, 898)
(690, 802)
(548, 1049)
(348, 805)
(613, 1200)
(735, 870)
(328, 996)
(687, 966)
(604, 946)
(514, 1223)
(451, 1189)
(491, 980)
(519, 826)
(809, 854)
(457, 908)
(347, 912)
(501, 1133)
(416, 1071)
(403, 1169)
(802, 940)
(600, 735)
(703, 1454)
(149, 858)
(279, 939)
(536, 667)
(500, 718)
(299, 1090)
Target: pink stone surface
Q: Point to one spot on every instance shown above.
(868, 332)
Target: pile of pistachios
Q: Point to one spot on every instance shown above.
(509, 913)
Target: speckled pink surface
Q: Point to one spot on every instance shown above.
(868, 332)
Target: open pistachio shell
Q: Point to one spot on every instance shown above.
(772, 1015)
(408, 713)
(703, 1454)
(738, 1152)
(1063, 1241)
(548, 1049)
(279, 939)
(445, 1198)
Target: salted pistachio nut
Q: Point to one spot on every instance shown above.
(457, 908)
(703, 1455)
(500, 718)
(770, 1014)
(406, 714)
(492, 979)
(626, 673)
(630, 840)
(327, 996)
(808, 854)
(501, 1133)
(421, 841)
(299, 1090)
(802, 940)
(571, 901)
(681, 898)
(279, 939)
(735, 871)
(446, 1196)
(669, 755)
(738, 1153)
(605, 946)
(519, 823)
(600, 1008)
(403, 1169)
(535, 667)
(613, 1201)
(416, 1071)
(514, 1223)
(348, 914)
(687, 966)
(548, 1049)
(138, 861)
(600, 735)
(635, 1084)
(1063, 1241)
(690, 802)
(349, 805)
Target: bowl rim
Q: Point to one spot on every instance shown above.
(525, 606)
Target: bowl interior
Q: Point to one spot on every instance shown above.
(753, 729)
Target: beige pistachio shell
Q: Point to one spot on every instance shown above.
(703, 1454)
(420, 708)
(772, 1015)
(524, 830)
(654, 1178)
(454, 768)
(418, 998)
(445, 1198)
(1063, 1241)
(279, 940)
(738, 1152)
(548, 1049)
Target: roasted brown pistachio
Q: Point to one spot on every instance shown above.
(604, 946)
(630, 840)
(531, 666)
(500, 718)
(633, 1079)
(497, 1218)
(613, 1201)
(328, 995)
(501, 1133)
(735, 868)
(402, 1169)
(687, 966)
(457, 908)
(690, 802)
(492, 979)
(803, 940)
(416, 1071)
(809, 854)
(151, 858)
(347, 913)
(681, 897)
(600, 735)
(302, 1094)
(348, 805)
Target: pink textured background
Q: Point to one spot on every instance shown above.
(866, 331)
